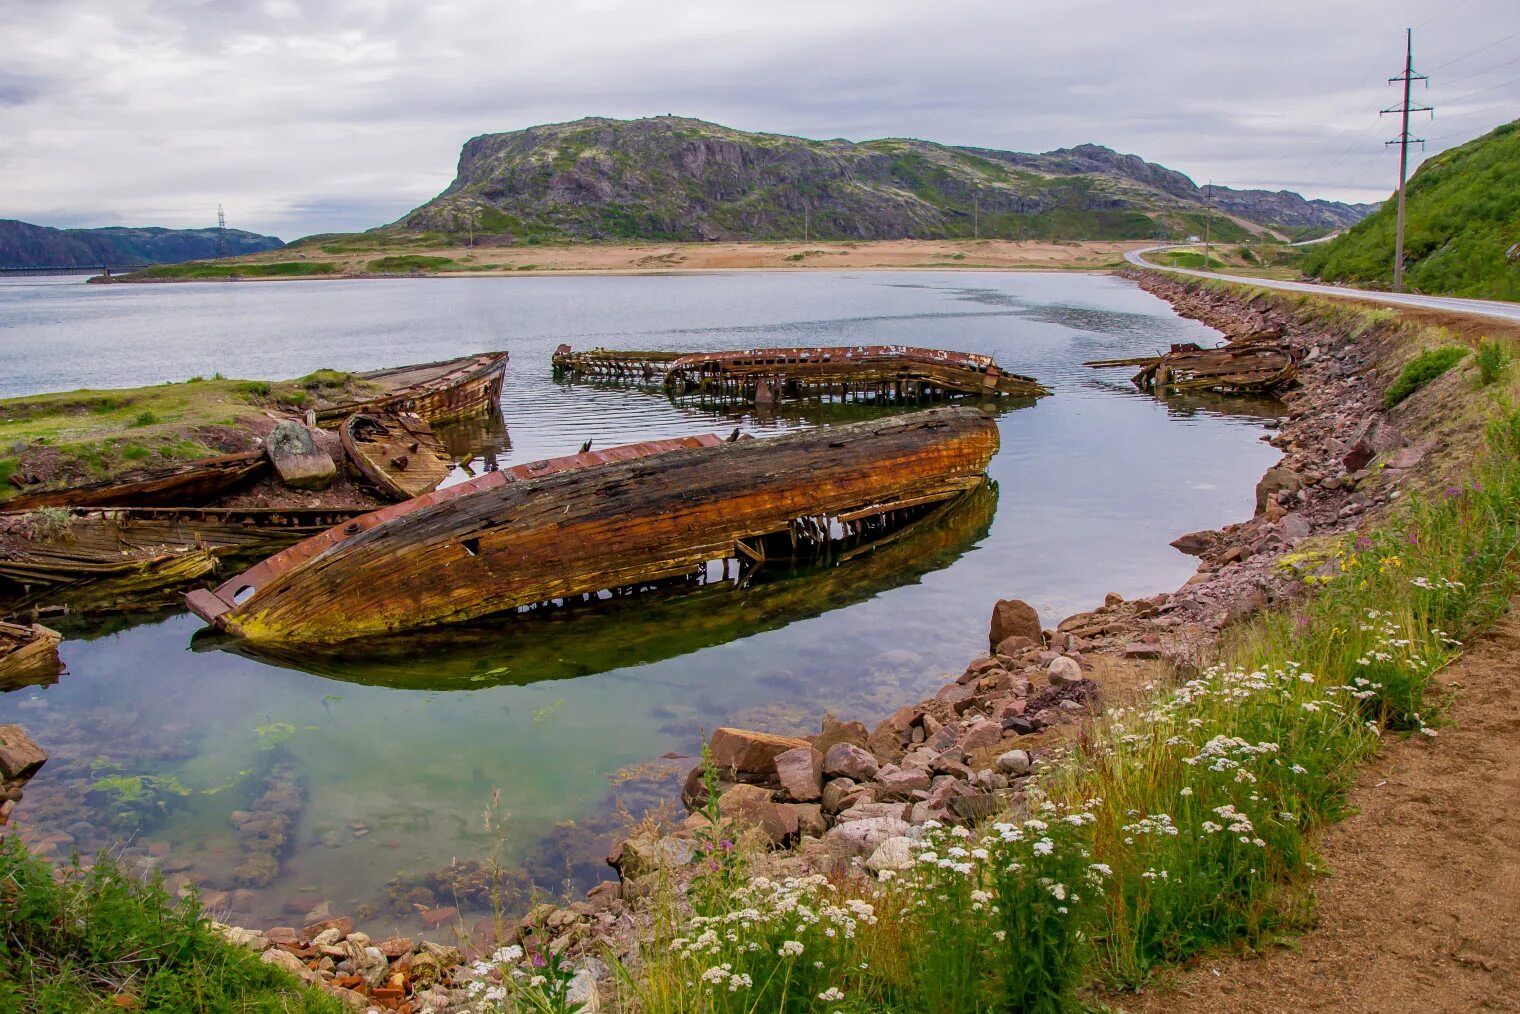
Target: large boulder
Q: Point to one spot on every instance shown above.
(863, 837)
(750, 755)
(1277, 480)
(1013, 618)
(752, 806)
(846, 760)
(800, 772)
(19, 756)
(297, 459)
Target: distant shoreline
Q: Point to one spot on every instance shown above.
(651, 259)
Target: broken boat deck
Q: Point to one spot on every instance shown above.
(1244, 367)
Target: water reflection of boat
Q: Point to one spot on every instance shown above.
(672, 620)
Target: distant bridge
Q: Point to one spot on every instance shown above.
(70, 269)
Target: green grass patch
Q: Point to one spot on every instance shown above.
(147, 417)
(1421, 370)
(104, 940)
(251, 269)
(1493, 361)
(412, 262)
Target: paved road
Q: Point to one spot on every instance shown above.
(1478, 307)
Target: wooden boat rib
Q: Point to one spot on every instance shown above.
(582, 531)
(190, 484)
(28, 653)
(398, 454)
(926, 371)
(436, 391)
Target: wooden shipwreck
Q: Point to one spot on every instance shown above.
(855, 372)
(452, 556)
(28, 654)
(189, 484)
(1243, 367)
(435, 391)
(725, 602)
(90, 559)
(399, 454)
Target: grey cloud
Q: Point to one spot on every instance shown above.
(167, 107)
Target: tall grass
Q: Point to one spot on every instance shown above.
(104, 940)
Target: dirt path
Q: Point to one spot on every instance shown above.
(1422, 908)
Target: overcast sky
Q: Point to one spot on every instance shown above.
(305, 117)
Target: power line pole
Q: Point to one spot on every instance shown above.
(1208, 226)
(1404, 141)
(221, 233)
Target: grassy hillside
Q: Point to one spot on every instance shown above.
(1462, 233)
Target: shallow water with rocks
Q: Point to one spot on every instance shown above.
(360, 783)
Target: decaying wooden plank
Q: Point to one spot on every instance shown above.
(570, 533)
(399, 454)
(190, 484)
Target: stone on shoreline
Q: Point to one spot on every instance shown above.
(1063, 670)
(845, 760)
(800, 772)
(1013, 618)
(748, 753)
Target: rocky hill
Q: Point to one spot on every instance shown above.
(673, 178)
(1462, 228)
(23, 245)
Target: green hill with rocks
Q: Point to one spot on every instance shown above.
(673, 178)
(1462, 229)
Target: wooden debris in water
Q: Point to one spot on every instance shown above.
(855, 372)
(1242, 367)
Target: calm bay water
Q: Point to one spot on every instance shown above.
(398, 756)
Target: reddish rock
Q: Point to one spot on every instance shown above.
(19, 756)
(283, 935)
(752, 806)
(901, 783)
(981, 734)
(395, 947)
(845, 760)
(835, 731)
(980, 667)
(1013, 618)
(343, 924)
(800, 772)
(432, 918)
(1276, 480)
(750, 753)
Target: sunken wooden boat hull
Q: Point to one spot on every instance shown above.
(28, 654)
(439, 391)
(1250, 366)
(899, 370)
(662, 621)
(397, 454)
(194, 483)
(614, 364)
(587, 530)
(96, 559)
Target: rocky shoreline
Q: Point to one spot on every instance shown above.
(850, 796)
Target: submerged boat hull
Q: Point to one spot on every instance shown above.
(436, 391)
(593, 529)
